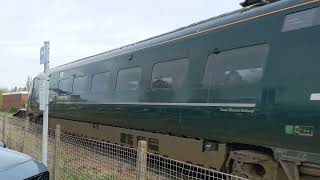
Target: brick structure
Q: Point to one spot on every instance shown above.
(14, 100)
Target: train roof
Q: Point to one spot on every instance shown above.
(181, 33)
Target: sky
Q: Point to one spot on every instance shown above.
(81, 28)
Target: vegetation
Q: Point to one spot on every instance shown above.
(26, 87)
(2, 90)
(15, 89)
(13, 110)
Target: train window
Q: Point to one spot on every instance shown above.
(54, 82)
(61, 75)
(129, 79)
(170, 74)
(65, 85)
(35, 90)
(302, 19)
(101, 82)
(80, 85)
(234, 74)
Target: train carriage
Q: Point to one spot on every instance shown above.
(238, 88)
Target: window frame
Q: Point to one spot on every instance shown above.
(35, 89)
(117, 79)
(225, 50)
(211, 62)
(303, 16)
(73, 83)
(168, 61)
(92, 78)
(54, 81)
(72, 79)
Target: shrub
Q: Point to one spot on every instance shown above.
(13, 110)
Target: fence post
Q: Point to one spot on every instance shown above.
(25, 133)
(56, 152)
(4, 129)
(142, 160)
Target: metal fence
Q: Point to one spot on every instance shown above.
(74, 157)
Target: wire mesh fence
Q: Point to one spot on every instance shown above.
(75, 157)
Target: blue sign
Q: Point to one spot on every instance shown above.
(43, 55)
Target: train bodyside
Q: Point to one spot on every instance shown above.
(244, 79)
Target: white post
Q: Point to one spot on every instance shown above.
(46, 111)
(142, 160)
(56, 153)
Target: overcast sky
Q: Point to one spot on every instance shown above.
(80, 28)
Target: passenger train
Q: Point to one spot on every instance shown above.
(238, 93)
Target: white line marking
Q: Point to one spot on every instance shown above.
(248, 105)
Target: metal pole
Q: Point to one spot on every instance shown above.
(46, 112)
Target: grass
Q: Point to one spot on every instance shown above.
(81, 174)
(87, 165)
(5, 113)
(75, 161)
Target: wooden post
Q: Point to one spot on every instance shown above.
(4, 130)
(56, 152)
(142, 160)
(25, 134)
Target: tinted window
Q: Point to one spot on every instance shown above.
(303, 19)
(54, 82)
(238, 68)
(129, 79)
(65, 85)
(81, 85)
(35, 89)
(101, 82)
(171, 74)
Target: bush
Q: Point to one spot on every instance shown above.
(13, 110)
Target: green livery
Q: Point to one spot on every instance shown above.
(249, 78)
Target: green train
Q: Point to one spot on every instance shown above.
(238, 93)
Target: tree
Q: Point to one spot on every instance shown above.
(2, 90)
(22, 89)
(14, 89)
(28, 83)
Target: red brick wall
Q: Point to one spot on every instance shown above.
(24, 99)
(16, 101)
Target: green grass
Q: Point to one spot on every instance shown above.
(82, 174)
